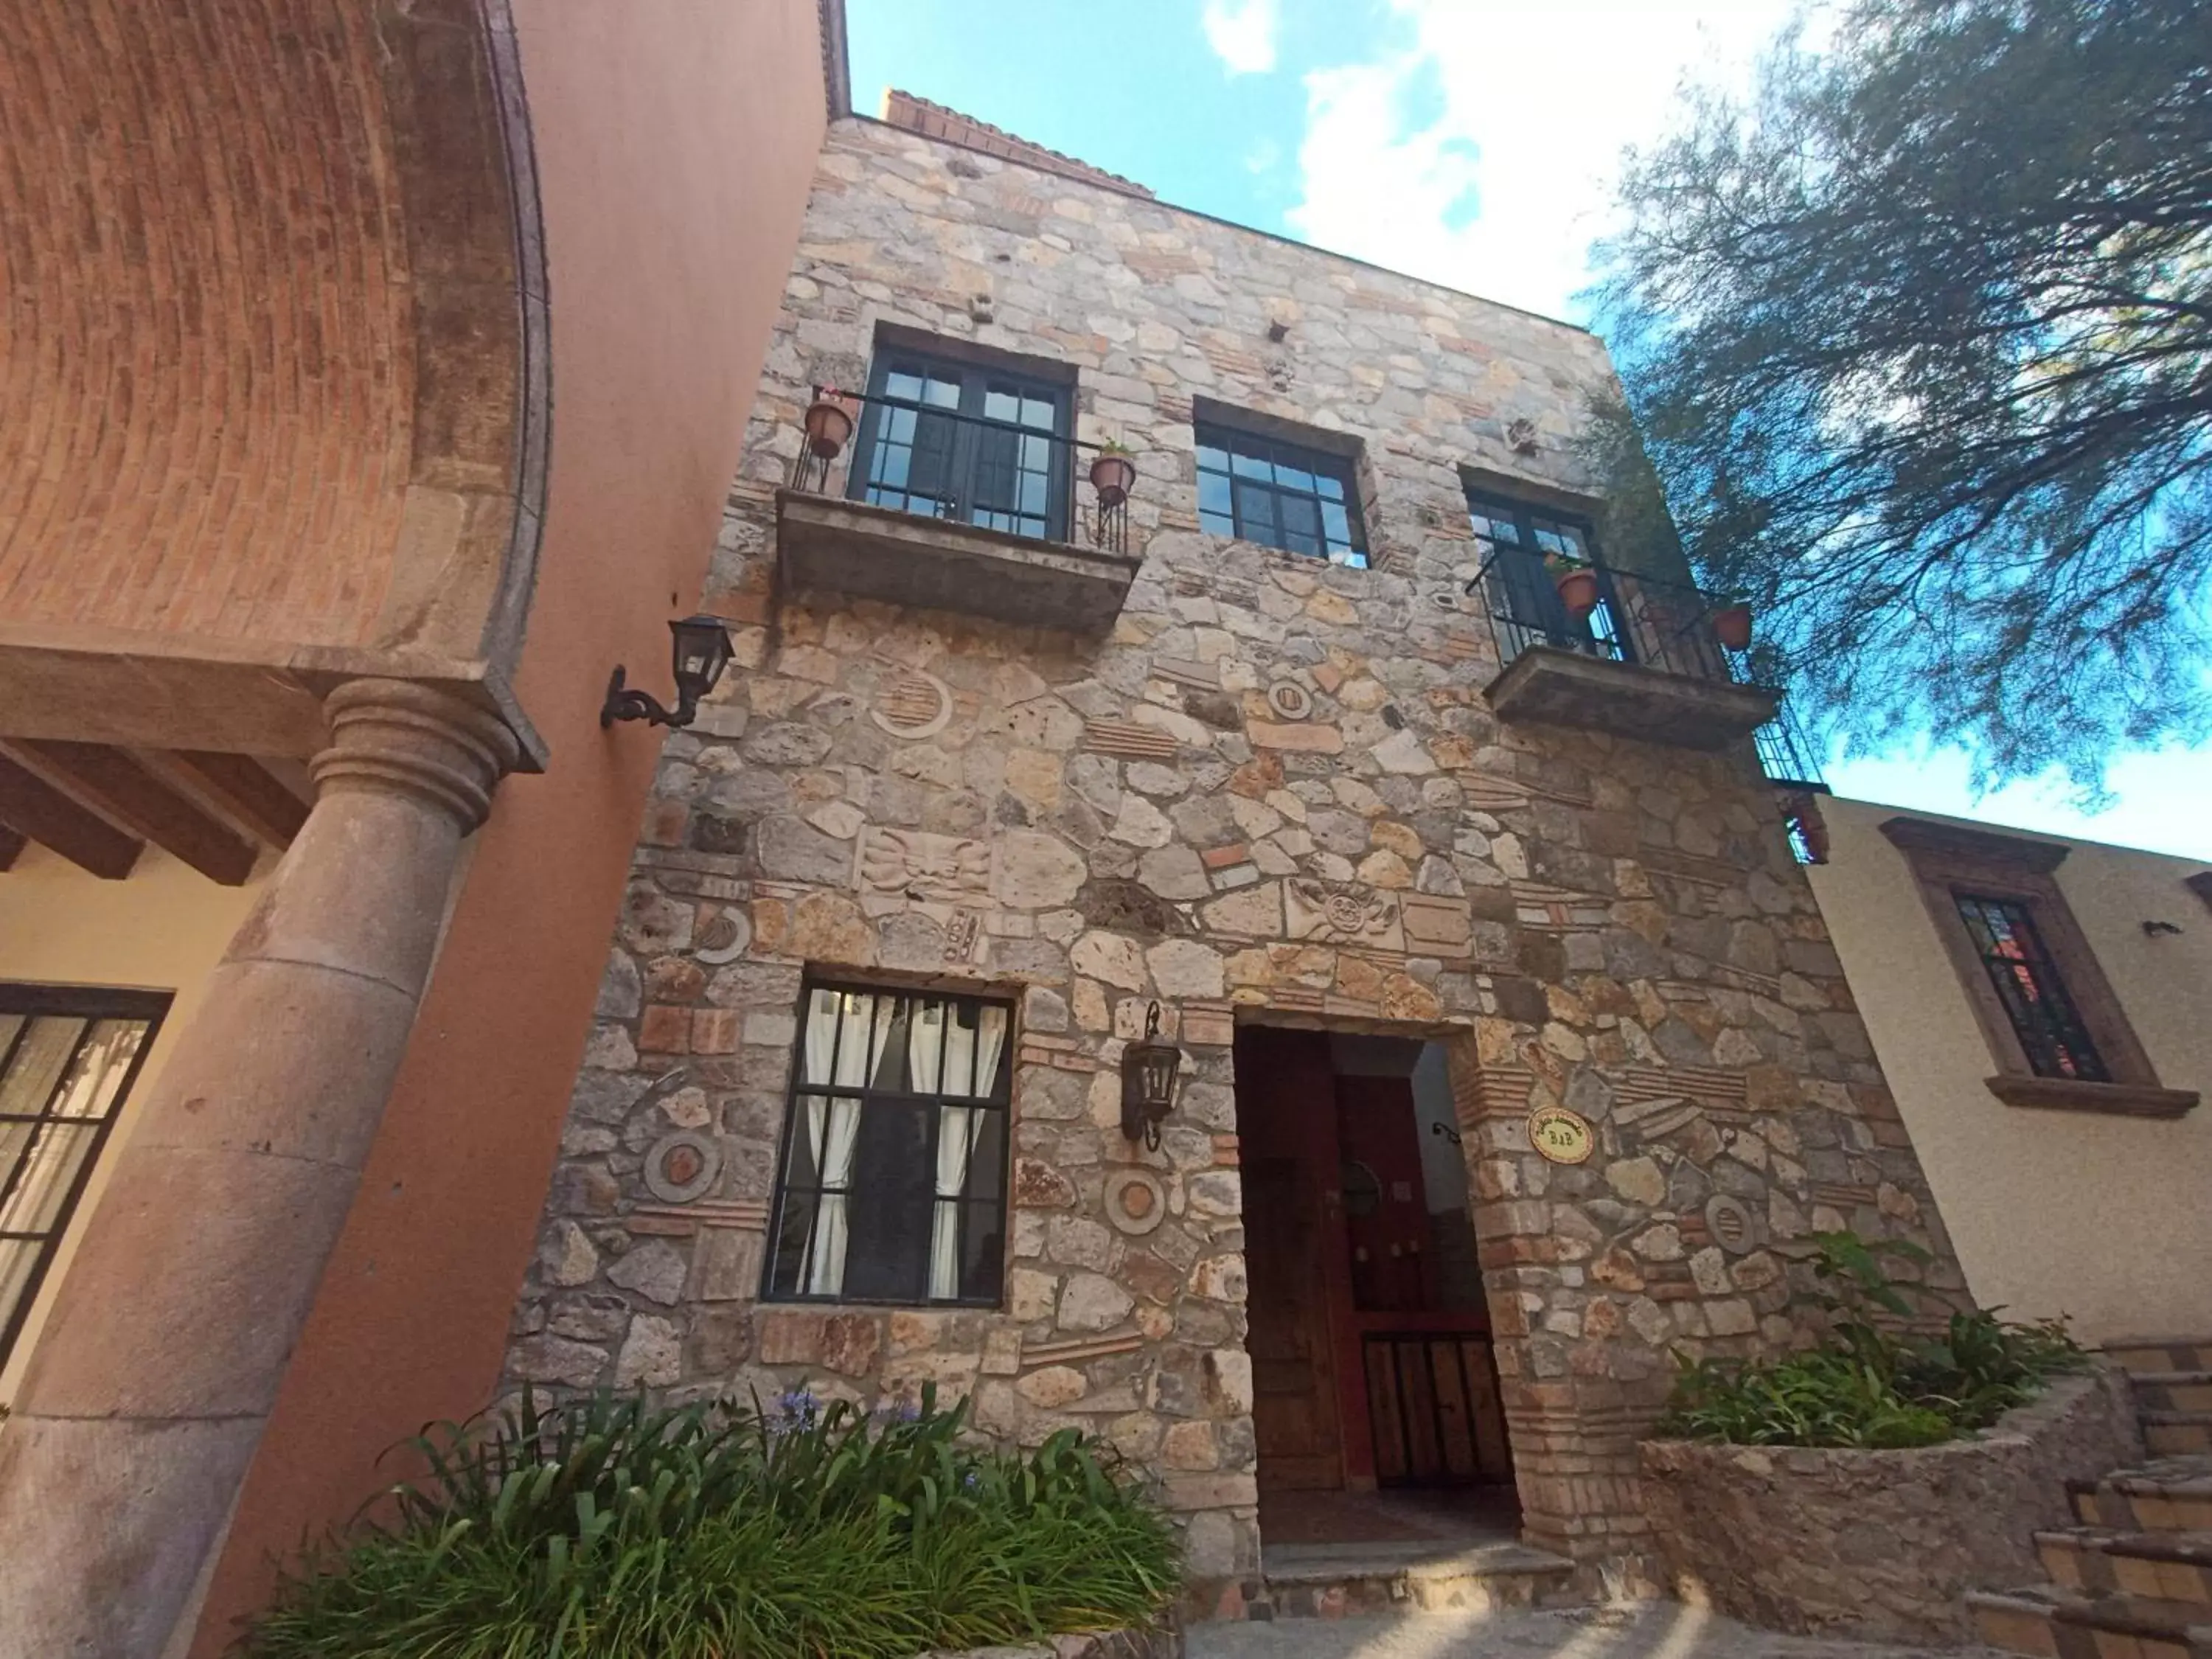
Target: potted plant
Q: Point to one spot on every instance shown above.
(829, 420)
(1731, 620)
(1577, 582)
(1113, 474)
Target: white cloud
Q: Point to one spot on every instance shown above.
(1243, 34)
(1496, 180)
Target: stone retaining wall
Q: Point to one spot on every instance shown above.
(1880, 1545)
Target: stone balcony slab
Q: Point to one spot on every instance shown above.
(1566, 688)
(904, 558)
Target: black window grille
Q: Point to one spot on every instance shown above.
(983, 446)
(68, 1057)
(1283, 495)
(1512, 539)
(2043, 1017)
(893, 1183)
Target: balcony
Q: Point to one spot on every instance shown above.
(994, 514)
(1645, 663)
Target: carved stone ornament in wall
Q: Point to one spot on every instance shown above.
(682, 1166)
(1135, 1201)
(962, 935)
(1341, 912)
(1290, 700)
(1521, 433)
(940, 869)
(725, 937)
(912, 705)
(1731, 1223)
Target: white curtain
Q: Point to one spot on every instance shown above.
(844, 1043)
(972, 1067)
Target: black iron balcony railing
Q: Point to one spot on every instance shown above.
(1004, 469)
(1673, 626)
(1665, 625)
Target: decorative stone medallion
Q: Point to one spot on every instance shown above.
(725, 938)
(1732, 1224)
(943, 869)
(1341, 912)
(1561, 1136)
(961, 934)
(1135, 1201)
(912, 705)
(682, 1166)
(1290, 700)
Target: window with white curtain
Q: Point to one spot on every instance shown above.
(893, 1184)
(68, 1055)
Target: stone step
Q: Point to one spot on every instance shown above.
(2048, 1622)
(2173, 1391)
(2171, 1494)
(2167, 1566)
(2177, 1433)
(1334, 1581)
(2162, 1353)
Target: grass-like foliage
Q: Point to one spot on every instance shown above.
(606, 1528)
(1868, 1386)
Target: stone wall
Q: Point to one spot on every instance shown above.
(1274, 792)
(1883, 1545)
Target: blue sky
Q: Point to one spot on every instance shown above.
(1468, 141)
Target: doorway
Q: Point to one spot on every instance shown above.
(1376, 1402)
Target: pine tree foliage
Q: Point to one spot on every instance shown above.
(1919, 335)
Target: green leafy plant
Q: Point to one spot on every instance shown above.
(607, 1529)
(1870, 1384)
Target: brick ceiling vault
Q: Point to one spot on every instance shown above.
(259, 264)
(272, 372)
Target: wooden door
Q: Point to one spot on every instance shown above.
(1293, 1405)
(1293, 1244)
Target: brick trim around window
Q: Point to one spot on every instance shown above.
(1949, 861)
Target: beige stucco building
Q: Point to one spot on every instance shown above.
(2094, 1200)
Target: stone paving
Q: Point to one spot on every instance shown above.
(1646, 1630)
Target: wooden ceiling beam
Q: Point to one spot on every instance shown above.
(237, 788)
(33, 807)
(108, 781)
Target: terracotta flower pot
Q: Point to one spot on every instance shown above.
(1732, 626)
(1577, 591)
(830, 425)
(1113, 477)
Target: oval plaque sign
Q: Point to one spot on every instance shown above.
(1560, 1135)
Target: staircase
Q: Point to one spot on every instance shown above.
(2132, 1579)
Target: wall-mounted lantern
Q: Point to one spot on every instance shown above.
(699, 653)
(1148, 1080)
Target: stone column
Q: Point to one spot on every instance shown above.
(160, 1364)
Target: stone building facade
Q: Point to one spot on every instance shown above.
(1271, 791)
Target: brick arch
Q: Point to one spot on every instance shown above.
(266, 374)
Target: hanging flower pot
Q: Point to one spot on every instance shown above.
(829, 420)
(1732, 625)
(1113, 475)
(1578, 585)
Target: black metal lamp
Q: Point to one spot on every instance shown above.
(699, 653)
(1148, 1080)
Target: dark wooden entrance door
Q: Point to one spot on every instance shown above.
(1370, 1364)
(1293, 1250)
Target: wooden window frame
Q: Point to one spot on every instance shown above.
(1238, 432)
(1946, 860)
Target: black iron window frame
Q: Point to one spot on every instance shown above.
(22, 1133)
(1297, 478)
(1522, 593)
(959, 460)
(2053, 1033)
(779, 1286)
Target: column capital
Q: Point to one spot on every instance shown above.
(395, 736)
